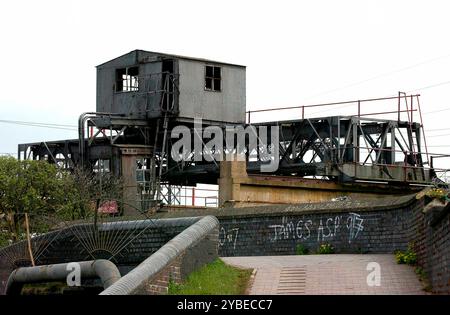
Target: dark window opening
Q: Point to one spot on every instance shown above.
(102, 166)
(216, 84)
(167, 65)
(168, 84)
(209, 71)
(208, 83)
(127, 79)
(213, 77)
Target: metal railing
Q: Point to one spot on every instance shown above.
(191, 198)
(358, 103)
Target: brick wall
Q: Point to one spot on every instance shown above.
(431, 239)
(185, 253)
(360, 228)
(358, 231)
(138, 243)
(201, 252)
(350, 226)
(159, 284)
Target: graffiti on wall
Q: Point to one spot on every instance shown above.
(322, 229)
(228, 236)
(349, 226)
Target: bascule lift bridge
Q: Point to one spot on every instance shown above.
(142, 96)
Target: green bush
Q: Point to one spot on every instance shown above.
(301, 250)
(48, 195)
(408, 257)
(325, 249)
(438, 193)
(4, 239)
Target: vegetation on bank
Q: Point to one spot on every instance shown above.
(409, 257)
(439, 194)
(216, 278)
(300, 249)
(323, 249)
(44, 195)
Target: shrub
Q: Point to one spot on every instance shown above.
(438, 193)
(326, 249)
(408, 257)
(301, 250)
(4, 239)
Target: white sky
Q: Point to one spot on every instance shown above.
(296, 52)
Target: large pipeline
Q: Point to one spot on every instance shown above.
(81, 121)
(163, 257)
(100, 268)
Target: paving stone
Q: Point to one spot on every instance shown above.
(327, 274)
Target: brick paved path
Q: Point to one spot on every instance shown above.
(327, 274)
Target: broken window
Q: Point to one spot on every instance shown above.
(102, 166)
(127, 79)
(213, 77)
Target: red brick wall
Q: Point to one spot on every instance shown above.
(160, 283)
(432, 244)
(194, 257)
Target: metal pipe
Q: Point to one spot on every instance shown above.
(81, 121)
(101, 268)
(164, 256)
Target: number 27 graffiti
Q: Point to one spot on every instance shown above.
(229, 236)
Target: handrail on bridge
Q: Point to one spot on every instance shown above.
(399, 97)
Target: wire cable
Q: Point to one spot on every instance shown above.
(41, 125)
(379, 76)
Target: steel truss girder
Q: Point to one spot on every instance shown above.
(334, 144)
(315, 147)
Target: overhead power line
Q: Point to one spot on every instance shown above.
(414, 90)
(380, 76)
(38, 124)
(438, 129)
(437, 111)
(443, 135)
(429, 86)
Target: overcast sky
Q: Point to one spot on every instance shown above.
(296, 52)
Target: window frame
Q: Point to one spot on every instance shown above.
(123, 80)
(213, 78)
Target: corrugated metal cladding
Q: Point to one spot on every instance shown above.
(143, 84)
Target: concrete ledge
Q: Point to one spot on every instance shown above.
(294, 209)
(242, 190)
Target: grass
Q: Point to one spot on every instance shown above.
(423, 279)
(43, 288)
(216, 278)
(325, 249)
(300, 249)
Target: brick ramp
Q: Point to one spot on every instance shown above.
(327, 274)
